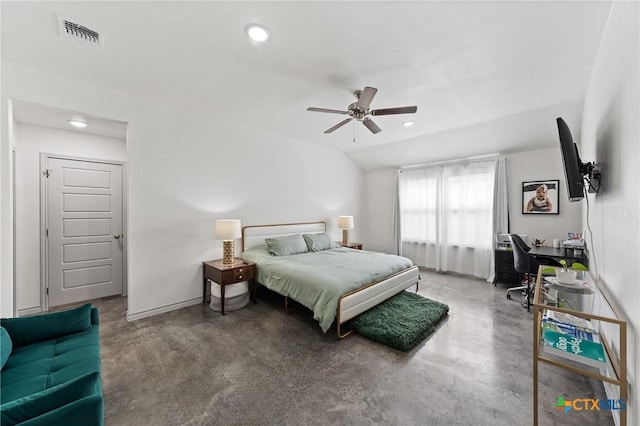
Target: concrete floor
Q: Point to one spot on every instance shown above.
(263, 365)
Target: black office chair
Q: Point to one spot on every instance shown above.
(526, 265)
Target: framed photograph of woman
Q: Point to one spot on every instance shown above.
(540, 197)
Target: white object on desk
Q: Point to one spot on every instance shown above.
(573, 244)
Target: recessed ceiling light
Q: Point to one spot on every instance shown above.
(407, 123)
(257, 32)
(78, 124)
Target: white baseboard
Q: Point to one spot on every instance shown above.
(30, 311)
(161, 310)
(613, 393)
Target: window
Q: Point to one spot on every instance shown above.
(446, 216)
(419, 212)
(467, 209)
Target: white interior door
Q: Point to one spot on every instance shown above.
(84, 228)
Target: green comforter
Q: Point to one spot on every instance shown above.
(318, 279)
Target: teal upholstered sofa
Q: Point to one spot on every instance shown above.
(51, 369)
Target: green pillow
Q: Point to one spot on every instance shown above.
(37, 328)
(318, 242)
(37, 404)
(286, 246)
(5, 347)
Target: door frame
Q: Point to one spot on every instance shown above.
(44, 215)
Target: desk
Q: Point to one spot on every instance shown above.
(556, 254)
(504, 261)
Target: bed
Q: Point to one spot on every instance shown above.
(336, 283)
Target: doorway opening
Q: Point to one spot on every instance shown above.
(86, 165)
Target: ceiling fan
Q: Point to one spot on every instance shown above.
(359, 110)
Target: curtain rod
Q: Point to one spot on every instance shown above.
(450, 162)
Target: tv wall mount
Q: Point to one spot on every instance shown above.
(591, 175)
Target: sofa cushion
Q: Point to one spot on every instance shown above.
(5, 347)
(34, 368)
(85, 411)
(26, 330)
(34, 405)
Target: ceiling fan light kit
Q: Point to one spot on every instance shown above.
(359, 110)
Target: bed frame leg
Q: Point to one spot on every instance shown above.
(340, 335)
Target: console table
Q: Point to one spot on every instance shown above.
(600, 315)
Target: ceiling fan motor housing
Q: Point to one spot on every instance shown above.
(356, 112)
(360, 111)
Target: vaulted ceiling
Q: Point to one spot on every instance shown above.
(461, 63)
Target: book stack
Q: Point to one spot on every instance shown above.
(569, 337)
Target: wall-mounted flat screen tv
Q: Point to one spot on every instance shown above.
(572, 164)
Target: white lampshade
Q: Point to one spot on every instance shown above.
(345, 222)
(228, 229)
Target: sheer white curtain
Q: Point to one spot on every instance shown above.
(500, 208)
(418, 193)
(467, 205)
(446, 216)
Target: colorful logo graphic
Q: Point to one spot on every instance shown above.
(589, 404)
(563, 405)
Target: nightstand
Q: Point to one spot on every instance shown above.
(357, 246)
(224, 274)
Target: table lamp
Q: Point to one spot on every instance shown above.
(228, 230)
(345, 223)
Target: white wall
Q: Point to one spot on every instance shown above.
(30, 141)
(611, 136)
(7, 295)
(541, 164)
(185, 171)
(519, 132)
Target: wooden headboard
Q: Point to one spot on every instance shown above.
(254, 235)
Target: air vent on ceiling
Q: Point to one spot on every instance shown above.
(80, 33)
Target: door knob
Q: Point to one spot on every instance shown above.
(117, 236)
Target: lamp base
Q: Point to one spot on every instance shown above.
(228, 252)
(345, 237)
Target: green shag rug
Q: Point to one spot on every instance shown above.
(401, 322)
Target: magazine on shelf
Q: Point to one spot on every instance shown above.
(560, 317)
(573, 342)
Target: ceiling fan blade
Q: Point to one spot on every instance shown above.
(366, 97)
(332, 111)
(340, 124)
(398, 110)
(369, 124)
